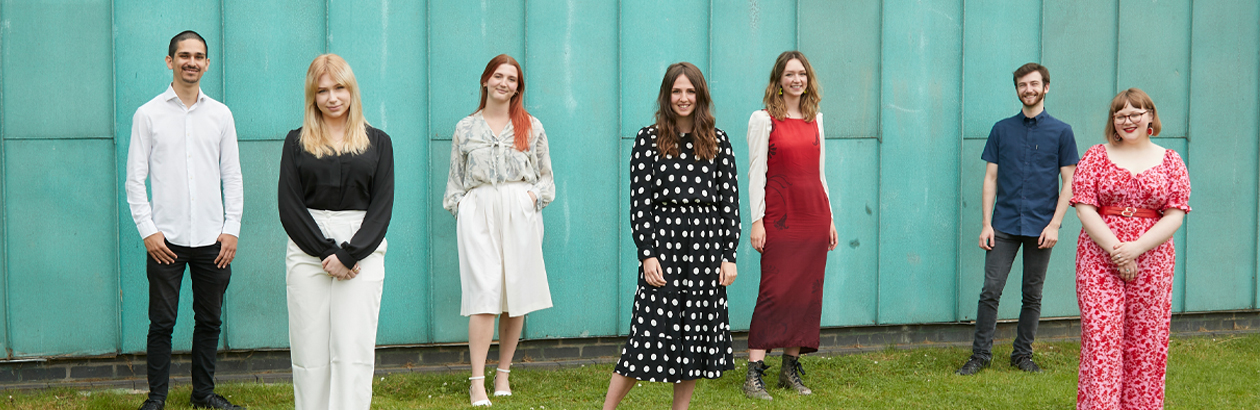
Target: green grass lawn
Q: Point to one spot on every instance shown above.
(1203, 373)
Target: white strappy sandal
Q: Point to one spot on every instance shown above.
(501, 393)
(480, 403)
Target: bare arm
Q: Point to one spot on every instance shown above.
(986, 206)
(1050, 235)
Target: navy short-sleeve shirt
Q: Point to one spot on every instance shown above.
(1029, 153)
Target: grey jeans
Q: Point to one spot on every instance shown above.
(997, 266)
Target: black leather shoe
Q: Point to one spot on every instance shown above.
(1025, 363)
(151, 404)
(973, 366)
(214, 401)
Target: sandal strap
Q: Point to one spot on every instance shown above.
(477, 378)
(502, 370)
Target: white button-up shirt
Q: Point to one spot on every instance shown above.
(188, 154)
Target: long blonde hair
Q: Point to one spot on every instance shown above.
(314, 136)
(774, 92)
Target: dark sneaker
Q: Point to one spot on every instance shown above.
(1025, 363)
(214, 401)
(151, 404)
(973, 366)
(754, 387)
(790, 375)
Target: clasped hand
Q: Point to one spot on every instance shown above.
(654, 276)
(336, 269)
(1124, 256)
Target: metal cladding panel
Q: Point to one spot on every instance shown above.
(255, 313)
(445, 323)
(754, 34)
(268, 46)
(1221, 255)
(1153, 53)
(62, 268)
(463, 37)
(998, 37)
(851, 289)
(841, 39)
(568, 41)
(1179, 238)
(921, 93)
(140, 48)
(59, 63)
(628, 272)
(653, 35)
(386, 44)
(1079, 48)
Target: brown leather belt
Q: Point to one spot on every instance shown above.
(1129, 212)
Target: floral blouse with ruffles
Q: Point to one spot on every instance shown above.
(480, 157)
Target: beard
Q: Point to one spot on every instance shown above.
(1039, 97)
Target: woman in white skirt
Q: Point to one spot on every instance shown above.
(336, 195)
(500, 179)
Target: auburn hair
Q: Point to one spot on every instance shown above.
(314, 137)
(1138, 99)
(703, 123)
(521, 125)
(774, 95)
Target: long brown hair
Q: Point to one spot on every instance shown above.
(1138, 99)
(774, 96)
(314, 136)
(516, 107)
(702, 116)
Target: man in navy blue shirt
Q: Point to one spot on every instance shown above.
(1025, 154)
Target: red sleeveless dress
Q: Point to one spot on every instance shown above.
(798, 227)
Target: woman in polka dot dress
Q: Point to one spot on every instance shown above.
(685, 217)
(1131, 196)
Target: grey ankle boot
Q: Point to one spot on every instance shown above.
(754, 387)
(790, 375)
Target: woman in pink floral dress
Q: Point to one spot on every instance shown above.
(1131, 196)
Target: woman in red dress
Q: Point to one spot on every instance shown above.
(792, 226)
(1131, 196)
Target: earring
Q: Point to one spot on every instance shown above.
(805, 92)
(1150, 130)
(780, 90)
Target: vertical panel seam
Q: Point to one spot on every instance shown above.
(1189, 102)
(879, 186)
(1254, 277)
(621, 232)
(113, 50)
(428, 183)
(4, 213)
(1115, 57)
(962, 110)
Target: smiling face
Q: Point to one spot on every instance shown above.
(1031, 89)
(1131, 123)
(794, 79)
(682, 97)
(189, 62)
(333, 99)
(501, 85)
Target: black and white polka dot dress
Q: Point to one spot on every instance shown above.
(685, 213)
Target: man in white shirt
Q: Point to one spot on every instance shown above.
(184, 143)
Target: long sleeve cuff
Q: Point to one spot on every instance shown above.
(344, 256)
(147, 229)
(232, 228)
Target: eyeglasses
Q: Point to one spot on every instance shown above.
(1134, 118)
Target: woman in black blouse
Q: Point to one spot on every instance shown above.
(684, 212)
(336, 194)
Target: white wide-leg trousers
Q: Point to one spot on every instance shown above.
(332, 323)
(500, 251)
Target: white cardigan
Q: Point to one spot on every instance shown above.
(759, 126)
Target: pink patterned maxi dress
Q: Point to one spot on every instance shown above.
(1124, 325)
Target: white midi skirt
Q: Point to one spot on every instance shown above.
(501, 266)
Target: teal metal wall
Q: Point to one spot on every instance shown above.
(910, 91)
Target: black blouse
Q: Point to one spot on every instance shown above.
(363, 182)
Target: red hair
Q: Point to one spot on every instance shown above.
(516, 107)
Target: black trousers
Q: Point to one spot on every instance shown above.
(997, 266)
(208, 284)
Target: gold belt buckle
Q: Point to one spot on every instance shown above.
(1128, 212)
